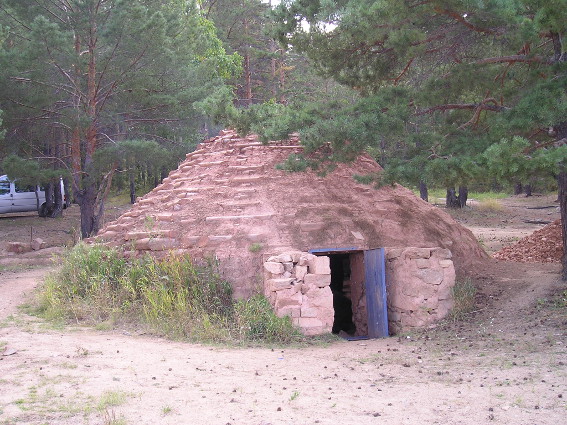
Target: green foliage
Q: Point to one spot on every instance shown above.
(437, 87)
(270, 120)
(516, 159)
(256, 321)
(366, 179)
(173, 296)
(509, 160)
(29, 172)
(295, 163)
(75, 79)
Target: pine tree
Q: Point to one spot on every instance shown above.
(77, 75)
(474, 75)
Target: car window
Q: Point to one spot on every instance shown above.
(4, 188)
(23, 188)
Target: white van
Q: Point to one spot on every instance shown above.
(19, 198)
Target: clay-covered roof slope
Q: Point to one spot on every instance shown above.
(228, 200)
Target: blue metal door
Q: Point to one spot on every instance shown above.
(375, 283)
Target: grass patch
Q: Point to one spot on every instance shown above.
(111, 399)
(485, 196)
(255, 247)
(464, 293)
(437, 196)
(490, 205)
(174, 297)
(560, 301)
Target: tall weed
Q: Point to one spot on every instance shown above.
(464, 293)
(256, 321)
(173, 296)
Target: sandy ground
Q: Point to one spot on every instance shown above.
(505, 364)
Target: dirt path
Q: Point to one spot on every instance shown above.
(16, 286)
(493, 367)
(508, 220)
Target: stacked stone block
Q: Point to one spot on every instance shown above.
(419, 285)
(297, 284)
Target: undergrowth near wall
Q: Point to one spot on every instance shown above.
(464, 293)
(174, 297)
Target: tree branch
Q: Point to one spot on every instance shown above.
(397, 79)
(515, 58)
(461, 18)
(452, 106)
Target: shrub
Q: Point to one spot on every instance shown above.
(172, 296)
(257, 321)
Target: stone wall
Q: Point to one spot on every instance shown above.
(297, 284)
(419, 283)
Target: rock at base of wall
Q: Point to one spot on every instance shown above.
(18, 247)
(38, 244)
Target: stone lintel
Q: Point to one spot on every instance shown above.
(319, 265)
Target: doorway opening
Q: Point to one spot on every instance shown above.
(349, 295)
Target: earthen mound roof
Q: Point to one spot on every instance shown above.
(228, 199)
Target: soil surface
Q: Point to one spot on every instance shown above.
(504, 222)
(505, 363)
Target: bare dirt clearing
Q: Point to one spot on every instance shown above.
(505, 364)
(507, 220)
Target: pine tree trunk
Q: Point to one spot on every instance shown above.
(49, 204)
(87, 202)
(282, 98)
(463, 196)
(247, 71)
(132, 182)
(156, 179)
(57, 195)
(119, 183)
(562, 183)
(67, 189)
(273, 68)
(452, 200)
(58, 201)
(423, 192)
(91, 216)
